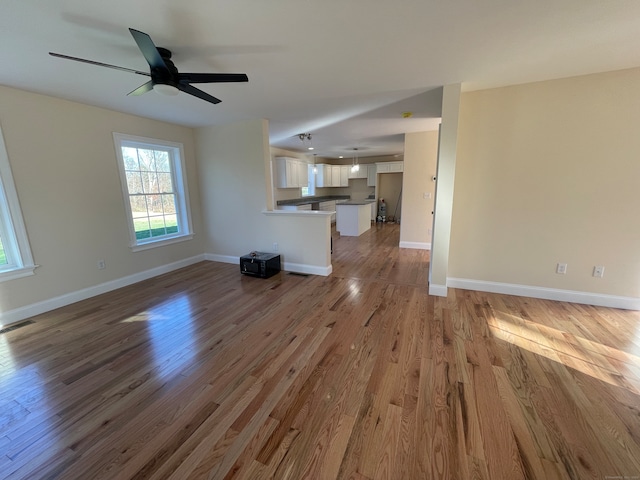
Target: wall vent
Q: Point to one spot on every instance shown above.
(16, 326)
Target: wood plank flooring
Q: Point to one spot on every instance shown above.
(204, 373)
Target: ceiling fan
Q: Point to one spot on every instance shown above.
(165, 77)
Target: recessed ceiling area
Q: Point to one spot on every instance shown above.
(343, 71)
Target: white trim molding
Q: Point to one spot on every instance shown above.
(586, 298)
(12, 316)
(286, 266)
(438, 290)
(416, 245)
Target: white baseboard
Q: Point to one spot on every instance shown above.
(416, 245)
(308, 269)
(438, 290)
(587, 298)
(13, 316)
(212, 257)
(286, 266)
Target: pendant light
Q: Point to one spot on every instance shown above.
(355, 166)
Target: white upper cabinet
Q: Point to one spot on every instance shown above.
(323, 175)
(372, 175)
(332, 175)
(291, 173)
(360, 173)
(344, 175)
(335, 175)
(390, 167)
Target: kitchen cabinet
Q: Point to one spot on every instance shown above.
(291, 173)
(329, 206)
(344, 175)
(353, 218)
(360, 173)
(323, 175)
(332, 175)
(335, 175)
(372, 175)
(390, 167)
(306, 206)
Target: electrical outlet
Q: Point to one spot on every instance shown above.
(101, 264)
(561, 268)
(275, 246)
(598, 271)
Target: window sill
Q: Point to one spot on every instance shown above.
(18, 273)
(161, 243)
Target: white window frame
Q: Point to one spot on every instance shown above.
(176, 154)
(311, 182)
(12, 229)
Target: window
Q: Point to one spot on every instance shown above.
(310, 189)
(15, 253)
(155, 190)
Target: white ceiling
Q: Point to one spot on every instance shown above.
(343, 70)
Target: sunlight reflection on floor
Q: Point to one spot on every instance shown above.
(591, 358)
(171, 332)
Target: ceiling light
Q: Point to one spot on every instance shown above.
(166, 89)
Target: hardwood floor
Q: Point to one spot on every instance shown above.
(204, 373)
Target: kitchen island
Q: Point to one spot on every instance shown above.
(353, 218)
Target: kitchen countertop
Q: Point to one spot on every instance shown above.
(356, 202)
(307, 200)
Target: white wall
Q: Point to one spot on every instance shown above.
(446, 165)
(66, 175)
(420, 158)
(548, 172)
(233, 163)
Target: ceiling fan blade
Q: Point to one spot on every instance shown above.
(148, 49)
(212, 77)
(186, 88)
(144, 88)
(99, 64)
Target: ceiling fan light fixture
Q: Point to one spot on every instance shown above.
(166, 89)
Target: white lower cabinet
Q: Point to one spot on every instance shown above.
(306, 206)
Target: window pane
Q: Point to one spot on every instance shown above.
(130, 156)
(138, 206)
(171, 223)
(154, 205)
(147, 160)
(141, 227)
(162, 162)
(3, 255)
(157, 226)
(165, 185)
(134, 182)
(149, 182)
(169, 204)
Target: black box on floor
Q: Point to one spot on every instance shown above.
(260, 264)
